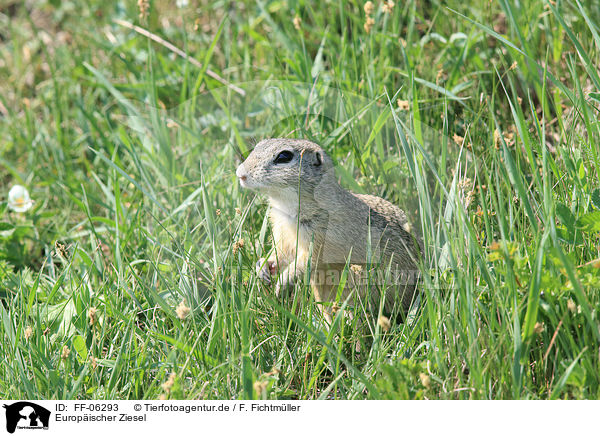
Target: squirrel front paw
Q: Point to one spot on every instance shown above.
(265, 269)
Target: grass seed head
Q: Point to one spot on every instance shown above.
(144, 7)
(297, 22)
(239, 244)
(425, 380)
(369, 23)
(356, 268)
(28, 332)
(64, 355)
(439, 76)
(182, 310)
(465, 184)
(403, 105)
(458, 139)
(93, 315)
(168, 385)
(335, 308)
(538, 328)
(497, 139)
(388, 6)
(260, 387)
(384, 323)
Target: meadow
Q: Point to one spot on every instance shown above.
(132, 274)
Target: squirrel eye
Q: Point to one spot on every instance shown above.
(319, 159)
(284, 157)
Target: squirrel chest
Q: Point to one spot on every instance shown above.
(288, 236)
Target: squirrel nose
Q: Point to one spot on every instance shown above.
(241, 173)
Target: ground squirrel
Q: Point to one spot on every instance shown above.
(317, 222)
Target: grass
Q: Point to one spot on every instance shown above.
(480, 120)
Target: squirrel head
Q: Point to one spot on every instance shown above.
(282, 168)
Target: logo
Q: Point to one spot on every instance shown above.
(26, 415)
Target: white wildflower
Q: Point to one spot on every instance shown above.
(18, 199)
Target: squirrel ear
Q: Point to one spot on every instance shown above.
(318, 159)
